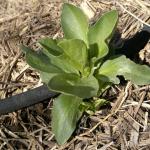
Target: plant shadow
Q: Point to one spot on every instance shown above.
(132, 46)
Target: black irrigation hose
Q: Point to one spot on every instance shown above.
(25, 99)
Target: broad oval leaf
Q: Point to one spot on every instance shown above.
(59, 59)
(51, 46)
(76, 51)
(65, 115)
(63, 62)
(72, 84)
(74, 23)
(101, 31)
(120, 65)
(40, 61)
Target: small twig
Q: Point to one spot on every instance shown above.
(68, 144)
(106, 146)
(9, 132)
(145, 121)
(121, 99)
(140, 103)
(142, 88)
(133, 103)
(135, 120)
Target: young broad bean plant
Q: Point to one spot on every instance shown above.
(77, 67)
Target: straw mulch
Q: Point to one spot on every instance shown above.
(125, 126)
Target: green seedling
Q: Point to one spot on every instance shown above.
(77, 67)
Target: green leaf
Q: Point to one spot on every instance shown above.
(65, 115)
(40, 61)
(76, 51)
(46, 77)
(63, 62)
(51, 46)
(74, 23)
(101, 31)
(72, 84)
(92, 105)
(103, 84)
(120, 65)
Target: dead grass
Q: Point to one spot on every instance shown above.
(125, 126)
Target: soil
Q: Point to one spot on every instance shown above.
(125, 124)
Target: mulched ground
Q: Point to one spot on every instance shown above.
(124, 125)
